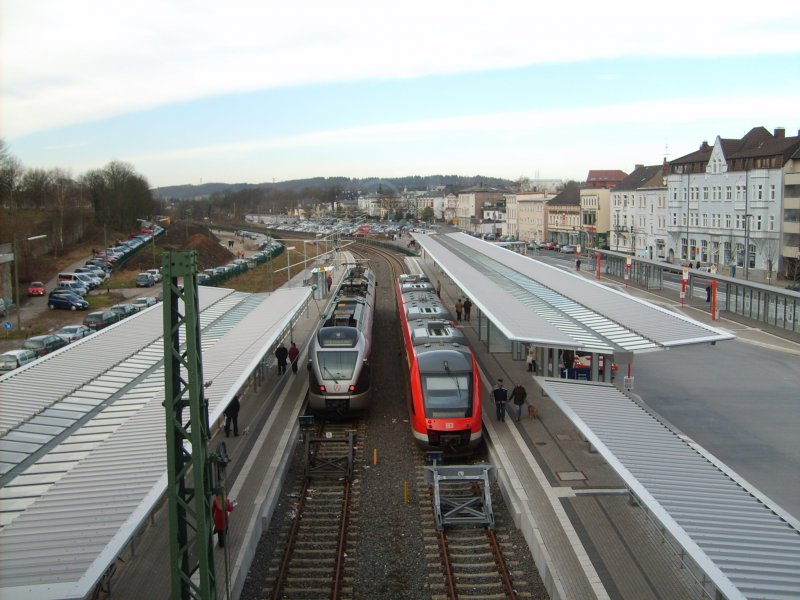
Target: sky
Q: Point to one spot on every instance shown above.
(194, 91)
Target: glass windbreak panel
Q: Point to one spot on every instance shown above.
(447, 396)
(337, 365)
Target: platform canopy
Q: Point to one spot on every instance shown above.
(530, 301)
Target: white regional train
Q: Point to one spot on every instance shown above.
(339, 371)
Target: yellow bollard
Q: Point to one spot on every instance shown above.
(405, 492)
(374, 456)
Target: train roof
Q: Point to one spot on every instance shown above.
(348, 312)
(423, 304)
(435, 331)
(358, 281)
(410, 283)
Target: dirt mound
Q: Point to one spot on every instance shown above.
(209, 251)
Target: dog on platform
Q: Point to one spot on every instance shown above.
(533, 412)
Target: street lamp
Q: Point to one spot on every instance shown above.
(16, 274)
(289, 266)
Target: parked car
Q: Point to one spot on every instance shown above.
(36, 288)
(72, 333)
(550, 246)
(568, 249)
(94, 271)
(124, 310)
(144, 302)
(101, 319)
(156, 273)
(795, 286)
(66, 300)
(44, 344)
(73, 286)
(13, 359)
(4, 306)
(145, 280)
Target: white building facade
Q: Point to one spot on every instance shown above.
(725, 203)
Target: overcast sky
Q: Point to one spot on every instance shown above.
(241, 91)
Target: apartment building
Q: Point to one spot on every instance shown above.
(725, 202)
(639, 213)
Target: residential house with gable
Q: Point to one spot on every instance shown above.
(563, 215)
(595, 207)
(530, 225)
(469, 208)
(639, 213)
(725, 202)
(790, 225)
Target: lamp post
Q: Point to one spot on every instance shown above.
(17, 257)
(288, 266)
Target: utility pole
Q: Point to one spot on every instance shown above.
(189, 465)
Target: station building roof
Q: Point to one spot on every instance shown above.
(83, 445)
(530, 301)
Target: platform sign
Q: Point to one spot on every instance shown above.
(7, 325)
(685, 274)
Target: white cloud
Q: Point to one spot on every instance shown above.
(65, 62)
(561, 143)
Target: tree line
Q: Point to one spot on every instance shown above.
(67, 209)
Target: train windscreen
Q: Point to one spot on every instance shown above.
(447, 396)
(337, 365)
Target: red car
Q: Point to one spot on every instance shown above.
(36, 288)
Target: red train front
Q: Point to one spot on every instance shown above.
(445, 400)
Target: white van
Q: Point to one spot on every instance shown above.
(75, 286)
(88, 281)
(14, 359)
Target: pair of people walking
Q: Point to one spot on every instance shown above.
(286, 355)
(501, 396)
(464, 308)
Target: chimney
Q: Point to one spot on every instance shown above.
(780, 133)
(638, 167)
(704, 145)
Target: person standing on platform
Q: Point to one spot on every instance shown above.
(531, 358)
(329, 282)
(232, 416)
(281, 353)
(220, 516)
(294, 354)
(500, 397)
(467, 309)
(459, 309)
(518, 397)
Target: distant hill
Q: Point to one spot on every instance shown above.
(365, 185)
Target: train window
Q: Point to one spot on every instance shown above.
(338, 337)
(447, 396)
(337, 365)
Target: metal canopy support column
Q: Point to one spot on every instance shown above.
(189, 476)
(463, 506)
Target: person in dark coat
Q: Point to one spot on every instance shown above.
(500, 397)
(708, 293)
(232, 416)
(281, 353)
(467, 309)
(220, 516)
(294, 353)
(518, 397)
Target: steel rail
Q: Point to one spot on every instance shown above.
(280, 577)
(448, 568)
(338, 571)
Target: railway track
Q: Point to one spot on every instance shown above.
(470, 561)
(316, 561)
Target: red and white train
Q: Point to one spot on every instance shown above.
(445, 401)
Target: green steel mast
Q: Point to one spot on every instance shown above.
(189, 472)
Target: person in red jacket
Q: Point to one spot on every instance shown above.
(294, 354)
(221, 516)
